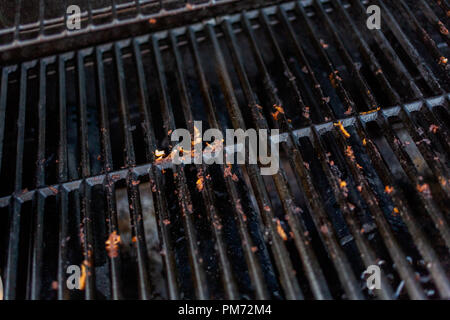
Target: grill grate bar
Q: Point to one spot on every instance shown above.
(229, 283)
(321, 221)
(398, 198)
(397, 254)
(238, 122)
(136, 217)
(286, 197)
(333, 72)
(418, 236)
(444, 6)
(417, 180)
(312, 268)
(338, 217)
(62, 196)
(316, 278)
(433, 18)
(84, 193)
(112, 223)
(425, 37)
(183, 192)
(393, 58)
(14, 228)
(157, 179)
(423, 68)
(39, 201)
(350, 214)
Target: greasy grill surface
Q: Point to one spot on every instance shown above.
(23, 21)
(365, 160)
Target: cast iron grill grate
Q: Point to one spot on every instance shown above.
(365, 159)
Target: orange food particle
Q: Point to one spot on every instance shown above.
(443, 60)
(370, 111)
(166, 221)
(364, 142)
(152, 21)
(134, 239)
(342, 184)
(395, 211)
(112, 244)
(279, 110)
(342, 129)
(388, 189)
(349, 153)
(159, 154)
(280, 231)
(443, 29)
(434, 128)
(83, 277)
(199, 184)
(423, 187)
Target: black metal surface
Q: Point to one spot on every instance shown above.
(33, 28)
(365, 159)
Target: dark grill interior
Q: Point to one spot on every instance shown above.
(364, 178)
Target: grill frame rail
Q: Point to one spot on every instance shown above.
(360, 174)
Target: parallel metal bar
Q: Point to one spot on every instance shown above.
(334, 78)
(444, 6)
(418, 135)
(109, 186)
(369, 56)
(361, 83)
(412, 52)
(391, 55)
(423, 35)
(286, 71)
(412, 173)
(3, 101)
(350, 213)
(314, 204)
(398, 197)
(39, 201)
(418, 236)
(256, 180)
(15, 206)
(228, 281)
(136, 217)
(156, 177)
(236, 118)
(62, 196)
(310, 263)
(282, 259)
(86, 228)
(433, 18)
(300, 52)
(183, 193)
(397, 254)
